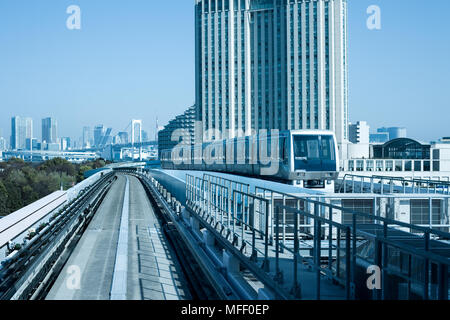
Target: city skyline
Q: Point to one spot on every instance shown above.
(37, 131)
(55, 65)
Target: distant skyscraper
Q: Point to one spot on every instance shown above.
(49, 130)
(32, 144)
(87, 137)
(394, 132)
(144, 136)
(271, 64)
(2, 144)
(99, 132)
(123, 137)
(107, 138)
(379, 137)
(65, 143)
(21, 130)
(136, 131)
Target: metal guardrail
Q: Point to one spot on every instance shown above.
(231, 224)
(392, 184)
(227, 208)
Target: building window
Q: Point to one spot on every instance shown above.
(436, 154)
(359, 165)
(417, 166)
(357, 205)
(351, 165)
(408, 165)
(436, 166)
(426, 166)
(420, 211)
(390, 165)
(380, 165)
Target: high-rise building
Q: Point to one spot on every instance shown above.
(379, 137)
(49, 130)
(359, 132)
(394, 132)
(2, 144)
(122, 137)
(107, 138)
(182, 129)
(99, 132)
(87, 137)
(65, 143)
(271, 64)
(144, 136)
(21, 130)
(31, 144)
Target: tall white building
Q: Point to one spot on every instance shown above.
(21, 130)
(271, 64)
(87, 139)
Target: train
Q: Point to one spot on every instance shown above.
(306, 158)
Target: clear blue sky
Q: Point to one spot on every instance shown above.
(135, 59)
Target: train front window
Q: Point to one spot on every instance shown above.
(313, 147)
(328, 148)
(306, 147)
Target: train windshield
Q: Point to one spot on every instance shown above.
(314, 147)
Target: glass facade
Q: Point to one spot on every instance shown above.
(402, 148)
(271, 64)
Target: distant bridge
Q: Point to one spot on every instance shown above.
(38, 155)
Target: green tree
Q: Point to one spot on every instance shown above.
(3, 200)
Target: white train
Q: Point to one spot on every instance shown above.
(308, 158)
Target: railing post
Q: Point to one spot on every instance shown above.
(318, 236)
(330, 238)
(384, 262)
(378, 262)
(254, 255)
(296, 290)
(442, 282)
(347, 263)
(278, 276)
(266, 244)
(229, 205)
(426, 272)
(353, 253)
(234, 211)
(284, 219)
